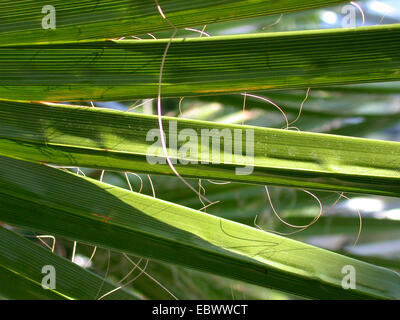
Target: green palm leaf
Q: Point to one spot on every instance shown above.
(21, 22)
(48, 199)
(98, 138)
(115, 70)
(21, 263)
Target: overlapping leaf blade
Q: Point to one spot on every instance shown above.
(21, 21)
(100, 138)
(116, 70)
(21, 263)
(50, 200)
